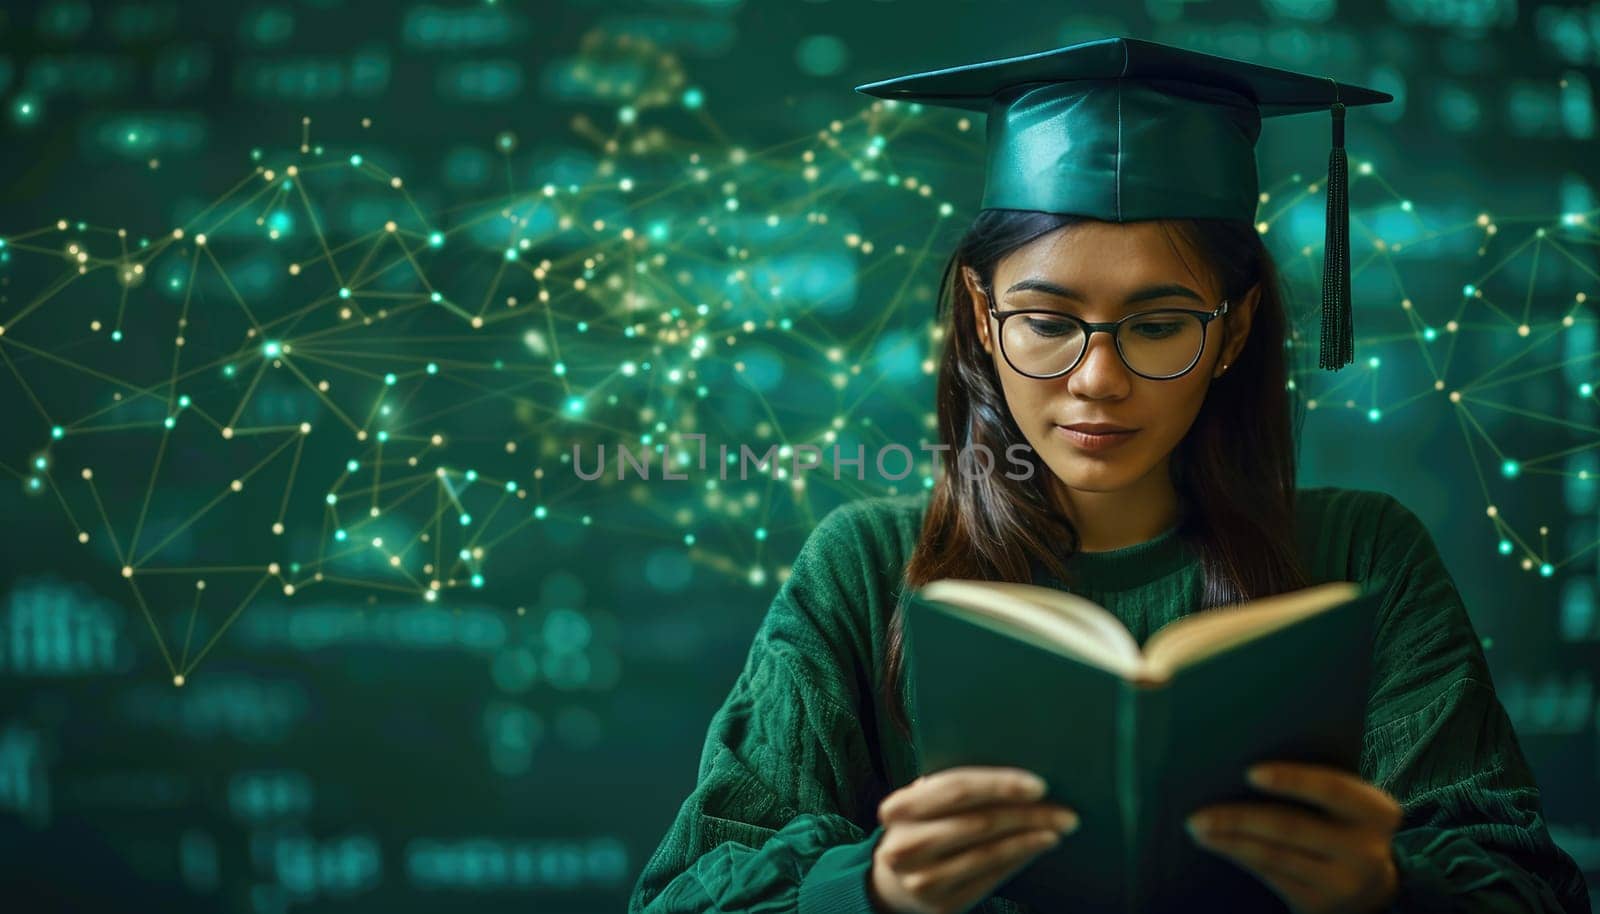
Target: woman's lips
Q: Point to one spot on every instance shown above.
(1089, 442)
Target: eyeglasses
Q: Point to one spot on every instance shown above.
(1161, 345)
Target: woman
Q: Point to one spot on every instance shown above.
(810, 797)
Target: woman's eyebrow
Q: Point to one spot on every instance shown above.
(1161, 290)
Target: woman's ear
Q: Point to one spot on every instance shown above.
(980, 306)
(1237, 321)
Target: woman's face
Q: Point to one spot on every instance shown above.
(1104, 265)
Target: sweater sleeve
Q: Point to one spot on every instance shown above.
(1473, 836)
(776, 822)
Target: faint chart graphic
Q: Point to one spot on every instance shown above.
(364, 396)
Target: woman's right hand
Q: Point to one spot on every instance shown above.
(952, 836)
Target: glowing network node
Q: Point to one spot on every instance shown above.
(272, 349)
(1510, 469)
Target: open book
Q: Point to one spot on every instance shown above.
(1135, 740)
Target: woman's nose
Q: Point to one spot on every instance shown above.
(1101, 371)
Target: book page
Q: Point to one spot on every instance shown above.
(1069, 627)
(1203, 634)
(1107, 627)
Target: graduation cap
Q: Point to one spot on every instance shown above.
(1122, 129)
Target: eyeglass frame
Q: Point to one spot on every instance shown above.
(1090, 328)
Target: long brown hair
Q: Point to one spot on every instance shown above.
(1234, 471)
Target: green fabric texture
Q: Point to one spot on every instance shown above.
(797, 757)
(1123, 129)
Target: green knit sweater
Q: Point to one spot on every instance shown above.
(783, 817)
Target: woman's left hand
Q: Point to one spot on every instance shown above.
(1338, 860)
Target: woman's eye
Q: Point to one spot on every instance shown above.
(1157, 329)
(1049, 326)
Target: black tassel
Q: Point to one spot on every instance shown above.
(1338, 342)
